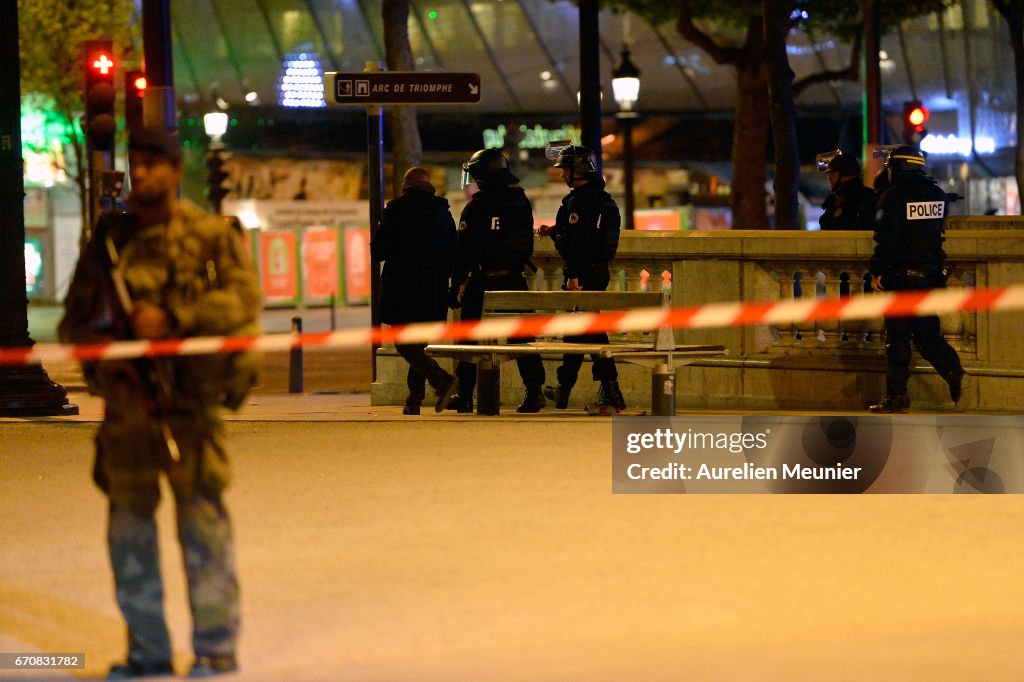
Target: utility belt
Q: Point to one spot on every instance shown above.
(502, 272)
(920, 277)
(922, 272)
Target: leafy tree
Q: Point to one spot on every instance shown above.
(405, 133)
(735, 33)
(49, 35)
(1012, 12)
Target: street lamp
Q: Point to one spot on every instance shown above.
(626, 87)
(215, 124)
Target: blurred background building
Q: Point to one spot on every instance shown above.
(261, 62)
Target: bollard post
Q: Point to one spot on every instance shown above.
(488, 388)
(295, 361)
(663, 391)
(333, 321)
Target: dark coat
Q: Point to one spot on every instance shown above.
(416, 242)
(909, 228)
(495, 232)
(849, 207)
(586, 232)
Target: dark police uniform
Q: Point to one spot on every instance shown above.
(586, 235)
(908, 256)
(848, 207)
(495, 242)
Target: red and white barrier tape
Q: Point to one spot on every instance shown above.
(867, 307)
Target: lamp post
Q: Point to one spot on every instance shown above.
(215, 124)
(626, 86)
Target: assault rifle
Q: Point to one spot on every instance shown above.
(155, 373)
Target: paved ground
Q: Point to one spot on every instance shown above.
(373, 546)
(475, 549)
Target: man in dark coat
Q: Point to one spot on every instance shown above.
(908, 256)
(849, 206)
(495, 242)
(416, 242)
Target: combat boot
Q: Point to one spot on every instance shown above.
(609, 400)
(445, 390)
(533, 401)
(462, 404)
(210, 666)
(559, 395)
(891, 404)
(133, 670)
(955, 380)
(614, 394)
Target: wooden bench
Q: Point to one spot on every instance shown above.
(661, 355)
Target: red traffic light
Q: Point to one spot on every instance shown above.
(134, 94)
(99, 94)
(915, 115)
(101, 62)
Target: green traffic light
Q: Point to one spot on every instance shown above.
(432, 14)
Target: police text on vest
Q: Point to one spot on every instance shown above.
(925, 210)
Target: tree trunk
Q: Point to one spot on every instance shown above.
(750, 140)
(783, 113)
(79, 177)
(407, 149)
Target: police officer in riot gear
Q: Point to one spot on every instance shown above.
(586, 234)
(908, 256)
(850, 205)
(495, 242)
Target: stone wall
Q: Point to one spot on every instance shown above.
(813, 366)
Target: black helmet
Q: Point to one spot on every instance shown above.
(488, 165)
(845, 165)
(580, 159)
(906, 159)
(837, 161)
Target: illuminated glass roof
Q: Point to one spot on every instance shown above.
(526, 52)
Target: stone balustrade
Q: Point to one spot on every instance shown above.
(823, 364)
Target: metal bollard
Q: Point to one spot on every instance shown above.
(295, 361)
(333, 321)
(663, 391)
(488, 388)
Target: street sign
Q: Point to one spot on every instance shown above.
(401, 87)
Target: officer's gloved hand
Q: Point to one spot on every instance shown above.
(453, 297)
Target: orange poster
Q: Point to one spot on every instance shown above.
(657, 219)
(357, 265)
(320, 263)
(277, 266)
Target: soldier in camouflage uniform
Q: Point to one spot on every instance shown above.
(187, 274)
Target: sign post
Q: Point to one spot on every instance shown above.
(375, 89)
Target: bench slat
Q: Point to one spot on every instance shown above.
(553, 301)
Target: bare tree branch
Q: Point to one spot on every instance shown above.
(690, 31)
(850, 73)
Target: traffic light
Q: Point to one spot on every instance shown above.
(100, 124)
(216, 178)
(915, 115)
(134, 92)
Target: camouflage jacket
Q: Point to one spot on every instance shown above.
(195, 267)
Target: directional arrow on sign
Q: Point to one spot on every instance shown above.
(401, 87)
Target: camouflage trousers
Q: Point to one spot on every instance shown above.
(132, 454)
